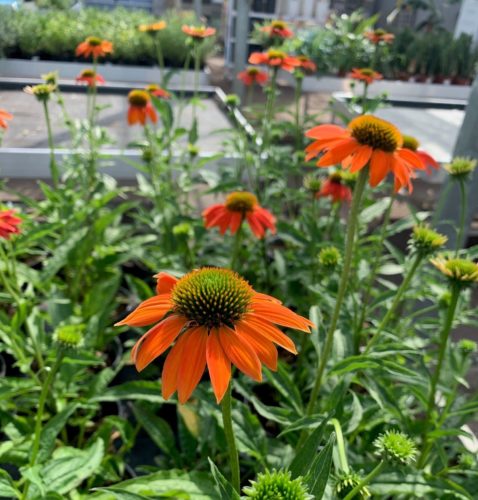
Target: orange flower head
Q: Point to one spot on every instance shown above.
(252, 75)
(94, 46)
(4, 116)
(140, 108)
(152, 28)
(335, 189)
(367, 140)
(214, 318)
(278, 29)
(90, 77)
(307, 64)
(366, 75)
(380, 35)
(157, 91)
(198, 32)
(9, 224)
(275, 59)
(413, 144)
(240, 206)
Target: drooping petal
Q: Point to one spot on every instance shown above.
(169, 377)
(154, 342)
(264, 348)
(218, 365)
(240, 353)
(360, 158)
(255, 225)
(268, 331)
(280, 315)
(149, 311)
(380, 166)
(236, 221)
(327, 132)
(193, 362)
(165, 282)
(338, 152)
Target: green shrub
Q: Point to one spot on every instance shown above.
(54, 34)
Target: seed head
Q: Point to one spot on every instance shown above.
(277, 485)
(396, 447)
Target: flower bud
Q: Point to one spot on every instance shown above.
(69, 336)
(233, 100)
(467, 346)
(396, 447)
(277, 485)
(425, 241)
(346, 482)
(329, 258)
(461, 272)
(460, 167)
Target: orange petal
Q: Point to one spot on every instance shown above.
(255, 225)
(269, 331)
(338, 152)
(170, 369)
(361, 158)
(165, 282)
(326, 132)
(154, 342)
(267, 298)
(412, 158)
(149, 311)
(240, 353)
(218, 365)
(236, 221)
(264, 348)
(380, 166)
(193, 362)
(281, 315)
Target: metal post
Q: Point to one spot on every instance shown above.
(198, 8)
(466, 145)
(240, 44)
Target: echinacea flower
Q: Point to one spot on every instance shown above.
(335, 189)
(277, 29)
(9, 223)
(461, 167)
(198, 32)
(396, 447)
(239, 206)
(277, 485)
(367, 140)
(42, 91)
(312, 183)
(306, 64)
(90, 77)
(214, 318)
(252, 75)
(275, 59)
(425, 241)
(94, 46)
(462, 272)
(329, 258)
(157, 91)
(346, 482)
(4, 116)
(366, 75)
(140, 108)
(379, 35)
(413, 144)
(153, 27)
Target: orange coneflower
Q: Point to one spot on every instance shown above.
(140, 108)
(335, 189)
(366, 75)
(240, 206)
(90, 77)
(152, 28)
(367, 140)
(198, 32)
(9, 224)
(94, 46)
(252, 75)
(4, 116)
(157, 91)
(277, 29)
(413, 144)
(216, 318)
(275, 59)
(306, 64)
(380, 35)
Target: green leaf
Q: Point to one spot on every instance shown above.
(158, 430)
(320, 469)
(51, 431)
(69, 467)
(304, 457)
(121, 494)
(7, 487)
(139, 390)
(226, 490)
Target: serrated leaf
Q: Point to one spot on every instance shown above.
(226, 490)
(320, 469)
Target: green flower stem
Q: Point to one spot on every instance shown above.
(396, 302)
(344, 281)
(187, 60)
(441, 203)
(226, 406)
(197, 68)
(269, 113)
(250, 95)
(445, 333)
(366, 480)
(377, 250)
(267, 274)
(364, 98)
(298, 126)
(461, 227)
(93, 95)
(340, 445)
(55, 176)
(236, 251)
(39, 416)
